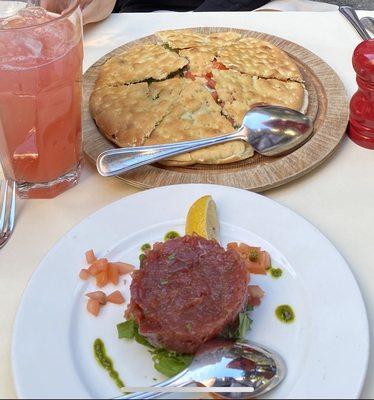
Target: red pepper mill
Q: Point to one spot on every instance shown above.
(361, 122)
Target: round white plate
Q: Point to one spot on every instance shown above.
(326, 349)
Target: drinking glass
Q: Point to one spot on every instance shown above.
(40, 95)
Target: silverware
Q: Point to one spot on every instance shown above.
(368, 23)
(8, 211)
(352, 17)
(227, 364)
(271, 130)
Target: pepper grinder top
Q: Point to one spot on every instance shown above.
(361, 129)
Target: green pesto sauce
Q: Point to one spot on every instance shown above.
(141, 257)
(171, 235)
(253, 255)
(102, 358)
(276, 272)
(145, 247)
(285, 313)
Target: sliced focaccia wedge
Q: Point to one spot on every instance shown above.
(139, 63)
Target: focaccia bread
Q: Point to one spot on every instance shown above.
(200, 59)
(186, 39)
(259, 58)
(128, 114)
(191, 86)
(224, 153)
(239, 92)
(198, 116)
(138, 64)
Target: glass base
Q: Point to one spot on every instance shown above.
(48, 190)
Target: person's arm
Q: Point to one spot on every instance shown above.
(92, 10)
(96, 10)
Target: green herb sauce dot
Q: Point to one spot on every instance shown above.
(145, 247)
(285, 313)
(276, 272)
(253, 255)
(171, 235)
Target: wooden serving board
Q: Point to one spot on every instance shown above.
(328, 108)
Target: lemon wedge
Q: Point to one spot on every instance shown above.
(202, 219)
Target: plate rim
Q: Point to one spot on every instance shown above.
(347, 270)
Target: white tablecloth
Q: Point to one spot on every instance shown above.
(338, 197)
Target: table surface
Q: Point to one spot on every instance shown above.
(337, 197)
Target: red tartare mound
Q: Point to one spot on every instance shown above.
(186, 292)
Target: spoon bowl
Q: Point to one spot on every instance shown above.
(271, 130)
(249, 369)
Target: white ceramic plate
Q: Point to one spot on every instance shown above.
(326, 349)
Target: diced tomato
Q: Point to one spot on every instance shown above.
(255, 294)
(255, 268)
(84, 274)
(244, 248)
(218, 65)
(98, 266)
(257, 261)
(264, 260)
(99, 296)
(116, 298)
(233, 246)
(209, 75)
(124, 268)
(215, 96)
(102, 278)
(254, 301)
(113, 273)
(90, 257)
(211, 83)
(93, 307)
(189, 75)
(255, 291)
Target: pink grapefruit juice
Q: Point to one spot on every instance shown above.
(40, 102)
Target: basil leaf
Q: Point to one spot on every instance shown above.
(127, 329)
(141, 339)
(244, 325)
(170, 363)
(239, 329)
(249, 308)
(166, 362)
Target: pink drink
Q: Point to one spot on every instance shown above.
(40, 100)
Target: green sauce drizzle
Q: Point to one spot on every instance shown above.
(253, 255)
(285, 313)
(276, 272)
(145, 247)
(171, 235)
(102, 358)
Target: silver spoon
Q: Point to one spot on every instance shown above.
(352, 17)
(271, 130)
(228, 364)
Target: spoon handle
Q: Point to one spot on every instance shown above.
(180, 380)
(117, 161)
(352, 17)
